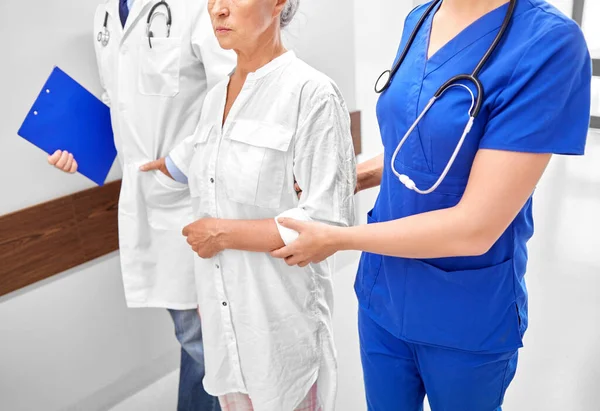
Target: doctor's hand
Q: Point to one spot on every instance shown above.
(159, 165)
(315, 243)
(63, 160)
(203, 237)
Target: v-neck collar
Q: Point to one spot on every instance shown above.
(250, 81)
(488, 23)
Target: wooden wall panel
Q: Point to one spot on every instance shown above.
(41, 241)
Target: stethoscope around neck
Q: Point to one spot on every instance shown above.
(104, 35)
(385, 80)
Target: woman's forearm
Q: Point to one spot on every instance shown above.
(437, 234)
(368, 173)
(249, 235)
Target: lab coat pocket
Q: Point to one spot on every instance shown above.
(168, 182)
(256, 163)
(160, 67)
(472, 310)
(368, 270)
(168, 203)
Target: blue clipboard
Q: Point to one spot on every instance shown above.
(66, 116)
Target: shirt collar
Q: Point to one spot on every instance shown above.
(271, 66)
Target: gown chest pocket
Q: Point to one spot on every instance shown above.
(256, 163)
(160, 66)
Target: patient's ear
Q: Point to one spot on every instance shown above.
(279, 5)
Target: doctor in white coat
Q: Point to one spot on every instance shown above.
(157, 60)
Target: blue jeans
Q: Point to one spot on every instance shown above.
(192, 396)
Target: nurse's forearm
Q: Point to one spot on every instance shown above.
(499, 186)
(437, 234)
(250, 235)
(368, 173)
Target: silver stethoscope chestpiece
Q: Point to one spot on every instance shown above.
(103, 37)
(383, 81)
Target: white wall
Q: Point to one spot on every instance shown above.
(322, 35)
(69, 342)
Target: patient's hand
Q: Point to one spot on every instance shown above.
(204, 237)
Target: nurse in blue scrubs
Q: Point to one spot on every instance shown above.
(443, 301)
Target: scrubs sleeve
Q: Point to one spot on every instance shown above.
(324, 162)
(218, 63)
(545, 107)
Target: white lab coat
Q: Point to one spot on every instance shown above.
(156, 96)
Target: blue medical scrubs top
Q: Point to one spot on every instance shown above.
(537, 100)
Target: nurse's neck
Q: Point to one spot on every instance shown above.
(471, 6)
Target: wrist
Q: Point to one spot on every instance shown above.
(222, 234)
(337, 238)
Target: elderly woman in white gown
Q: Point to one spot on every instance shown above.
(276, 120)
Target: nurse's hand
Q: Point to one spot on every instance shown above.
(159, 165)
(204, 237)
(63, 160)
(315, 243)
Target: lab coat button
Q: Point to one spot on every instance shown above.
(212, 180)
(224, 304)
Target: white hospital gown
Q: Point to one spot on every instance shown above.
(267, 326)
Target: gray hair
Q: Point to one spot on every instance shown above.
(288, 12)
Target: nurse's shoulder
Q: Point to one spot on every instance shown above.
(545, 29)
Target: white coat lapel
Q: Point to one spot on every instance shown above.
(112, 8)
